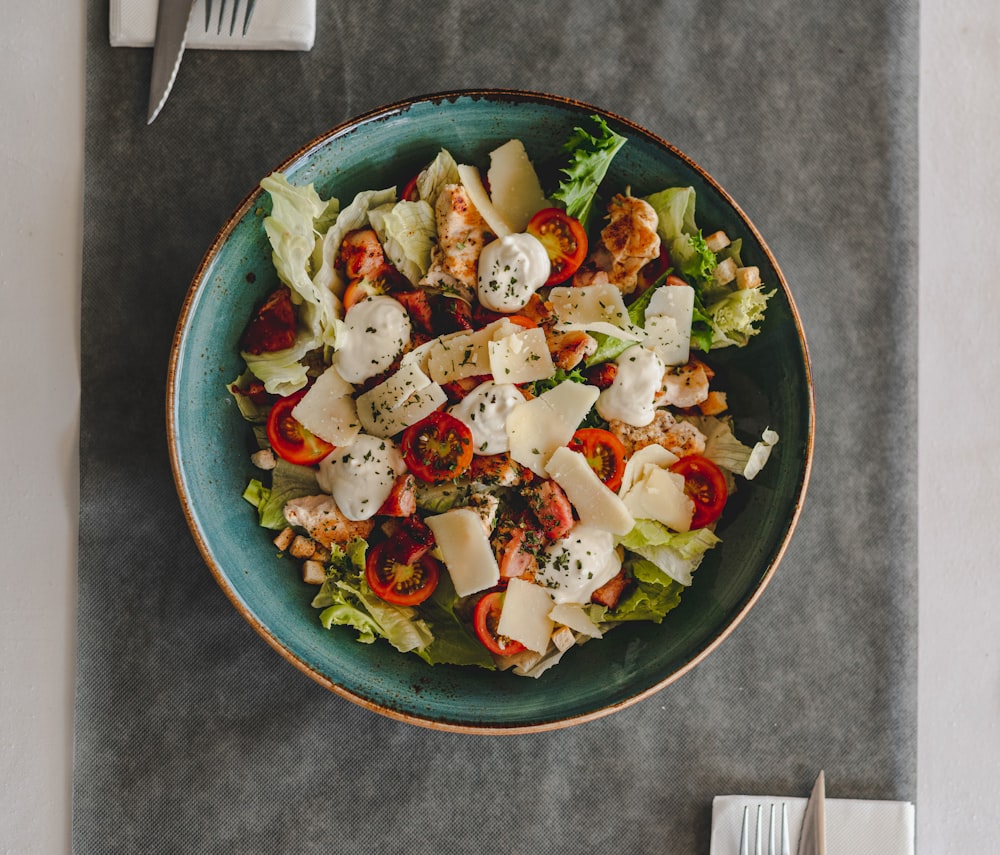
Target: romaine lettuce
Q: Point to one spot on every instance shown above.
(288, 481)
(677, 554)
(407, 231)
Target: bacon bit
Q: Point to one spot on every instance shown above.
(402, 499)
(272, 326)
(362, 256)
(551, 507)
(602, 376)
(418, 307)
(499, 469)
(450, 314)
(610, 592)
(409, 539)
(515, 552)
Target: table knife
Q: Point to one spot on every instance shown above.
(812, 838)
(171, 30)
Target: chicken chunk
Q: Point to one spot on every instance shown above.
(680, 438)
(462, 233)
(324, 521)
(686, 385)
(631, 239)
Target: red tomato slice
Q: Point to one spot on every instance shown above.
(437, 448)
(604, 452)
(706, 485)
(564, 240)
(289, 439)
(409, 192)
(485, 619)
(400, 584)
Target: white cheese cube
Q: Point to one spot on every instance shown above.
(525, 615)
(465, 550)
(595, 504)
(521, 357)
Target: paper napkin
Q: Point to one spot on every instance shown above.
(275, 25)
(853, 826)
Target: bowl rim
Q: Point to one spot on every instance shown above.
(198, 284)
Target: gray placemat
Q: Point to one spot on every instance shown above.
(192, 735)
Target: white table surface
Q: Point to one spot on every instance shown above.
(41, 161)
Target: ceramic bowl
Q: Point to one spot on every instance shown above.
(768, 383)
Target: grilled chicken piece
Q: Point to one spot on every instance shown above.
(323, 520)
(680, 438)
(462, 233)
(631, 239)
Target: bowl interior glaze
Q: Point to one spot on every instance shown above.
(768, 383)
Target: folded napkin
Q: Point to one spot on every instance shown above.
(853, 826)
(275, 25)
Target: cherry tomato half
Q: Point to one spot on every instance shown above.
(409, 193)
(604, 452)
(400, 584)
(564, 240)
(485, 620)
(706, 485)
(289, 439)
(437, 448)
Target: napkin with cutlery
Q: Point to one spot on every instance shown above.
(276, 25)
(853, 826)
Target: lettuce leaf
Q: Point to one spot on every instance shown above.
(733, 316)
(675, 212)
(727, 452)
(452, 644)
(288, 481)
(677, 554)
(589, 159)
(347, 600)
(654, 594)
(408, 232)
(441, 171)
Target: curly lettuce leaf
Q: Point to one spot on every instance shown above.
(590, 156)
(733, 317)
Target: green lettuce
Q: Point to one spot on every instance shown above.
(589, 159)
(346, 600)
(288, 481)
(408, 232)
(653, 595)
(453, 643)
(675, 212)
(440, 172)
(677, 554)
(733, 316)
(727, 452)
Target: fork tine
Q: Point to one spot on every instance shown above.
(745, 834)
(249, 15)
(208, 14)
(232, 22)
(786, 848)
(757, 850)
(222, 14)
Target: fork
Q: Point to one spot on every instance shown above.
(232, 21)
(759, 830)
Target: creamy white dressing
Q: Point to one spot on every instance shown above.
(484, 411)
(630, 397)
(361, 475)
(511, 269)
(375, 332)
(575, 566)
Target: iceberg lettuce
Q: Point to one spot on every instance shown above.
(677, 554)
(408, 232)
(441, 171)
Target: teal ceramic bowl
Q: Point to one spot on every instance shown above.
(768, 382)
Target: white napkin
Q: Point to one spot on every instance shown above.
(853, 826)
(275, 25)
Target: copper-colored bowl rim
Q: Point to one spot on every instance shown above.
(387, 111)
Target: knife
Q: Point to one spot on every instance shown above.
(171, 29)
(812, 838)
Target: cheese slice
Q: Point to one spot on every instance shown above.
(668, 323)
(521, 357)
(576, 618)
(650, 454)
(538, 427)
(469, 176)
(593, 308)
(525, 615)
(595, 504)
(465, 549)
(515, 190)
(660, 496)
(328, 409)
(460, 355)
(400, 401)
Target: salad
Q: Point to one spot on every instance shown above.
(486, 421)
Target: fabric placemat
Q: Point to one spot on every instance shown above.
(192, 735)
